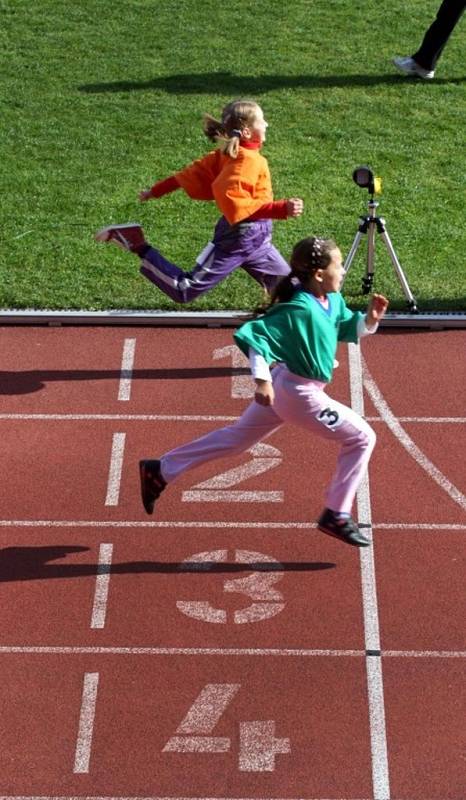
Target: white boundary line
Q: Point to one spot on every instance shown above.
(115, 469)
(166, 524)
(290, 652)
(127, 361)
(379, 753)
(198, 418)
(102, 584)
(86, 722)
(153, 797)
(406, 441)
(111, 417)
(125, 316)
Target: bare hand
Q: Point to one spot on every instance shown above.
(145, 195)
(376, 309)
(294, 207)
(264, 394)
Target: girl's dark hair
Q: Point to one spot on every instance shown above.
(308, 256)
(236, 116)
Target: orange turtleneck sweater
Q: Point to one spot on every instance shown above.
(241, 187)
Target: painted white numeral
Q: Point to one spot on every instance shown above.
(217, 489)
(259, 587)
(258, 745)
(241, 385)
(201, 719)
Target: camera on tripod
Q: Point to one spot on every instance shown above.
(370, 224)
(365, 179)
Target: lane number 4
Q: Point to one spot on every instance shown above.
(258, 745)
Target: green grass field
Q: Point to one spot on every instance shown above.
(100, 99)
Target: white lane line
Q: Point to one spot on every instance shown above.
(424, 653)
(421, 526)
(86, 722)
(199, 418)
(221, 651)
(430, 420)
(127, 362)
(174, 651)
(99, 609)
(299, 526)
(164, 797)
(406, 441)
(115, 470)
(137, 417)
(379, 752)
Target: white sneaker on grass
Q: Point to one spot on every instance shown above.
(410, 67)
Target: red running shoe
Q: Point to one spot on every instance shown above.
(129, 236)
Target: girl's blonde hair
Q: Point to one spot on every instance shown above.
(227, 131)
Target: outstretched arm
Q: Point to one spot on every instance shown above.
(159, 189)
(279, 209)
(376, 309)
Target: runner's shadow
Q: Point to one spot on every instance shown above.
(243, 85)
(32, 563)
(28, 381)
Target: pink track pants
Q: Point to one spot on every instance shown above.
(299, 401)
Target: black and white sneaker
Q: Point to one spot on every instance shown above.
(343, 528)
(409, 66)
(152, 483)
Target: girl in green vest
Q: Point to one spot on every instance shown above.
(298, 333)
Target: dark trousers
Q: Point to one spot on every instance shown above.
(438, 34)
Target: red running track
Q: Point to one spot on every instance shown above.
(224, 648)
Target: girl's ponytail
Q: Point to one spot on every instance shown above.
(281, 293)
(284, 290)
(213, 128)
(216, 131)
(227, 132)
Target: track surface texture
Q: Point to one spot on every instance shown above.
(225, 648)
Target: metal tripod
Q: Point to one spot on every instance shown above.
(370, 224)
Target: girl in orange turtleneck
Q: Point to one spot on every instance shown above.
(236, 176)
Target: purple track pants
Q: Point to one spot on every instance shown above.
(247, 245)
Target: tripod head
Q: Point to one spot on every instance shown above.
(365, 179)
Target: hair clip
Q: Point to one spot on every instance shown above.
(316, 250)
(236, 132)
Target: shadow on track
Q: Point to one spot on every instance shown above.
(32, 563)
(29, 381)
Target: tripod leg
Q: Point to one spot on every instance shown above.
(351, 254)
(400, 274)
(368, 280)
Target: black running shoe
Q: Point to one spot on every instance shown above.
(344, 528)
(152, 483)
